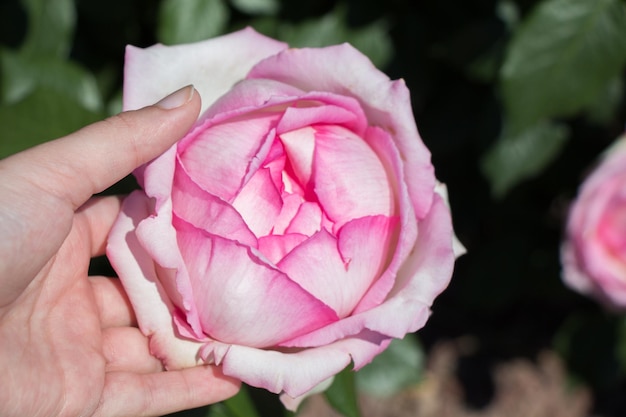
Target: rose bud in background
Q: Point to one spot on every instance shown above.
(594, 252)
(296, 229)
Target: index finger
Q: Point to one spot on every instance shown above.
(88, 161)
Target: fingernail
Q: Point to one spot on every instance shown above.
(177, 98)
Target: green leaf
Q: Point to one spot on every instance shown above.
(43, 115)
(590, 341)
(341, 395)
(241, 405)
(50, 27)
(508, 12)
(561, 57)
(518, 156)
(22, 74)
(620, 346)
(185, 21)
(604, 108)
(372, 40)
(257, 7)
(399, 366)
(218, 410)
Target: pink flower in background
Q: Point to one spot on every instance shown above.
(594, 253)
(298, 227)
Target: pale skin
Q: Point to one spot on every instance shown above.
(69, 343)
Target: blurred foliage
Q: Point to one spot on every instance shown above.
(185, 21)
(514, 98)
(342, 396)
(558, 62)
(240, 405)
(398, 367)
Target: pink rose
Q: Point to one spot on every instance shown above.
(296, 228)
(594, 252)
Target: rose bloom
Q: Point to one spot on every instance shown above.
(594, 252)
(296, 229)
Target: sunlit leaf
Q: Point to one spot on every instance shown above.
(43, 115)
(341, 395)
(184, 21)
(516, 157)
(398, 367)
(561, 57)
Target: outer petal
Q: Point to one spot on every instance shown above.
(343, 70)
(240, 298)
(213, 66)
(297, 373)
(292, 403)
(428, 269)
(158, 238)
(138, 275)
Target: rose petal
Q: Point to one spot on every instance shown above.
(339, 271)
(140, 280)
(323, 108)
(297, 373)
(251, 95)
(307, 220)
(292, 403)
(428, 269)
(208, 212)
(259, 203)
(275, 247)
(590, 265)
(157, 236)
(212, 66)
(241, 299)
(291, 205)
(233, 147)
(350, 180)
(130, 259)
(275, 163)
(426, 273)
(385, 149)
(299, 147)
(343, 70)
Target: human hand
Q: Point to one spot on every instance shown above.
(69, 345)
